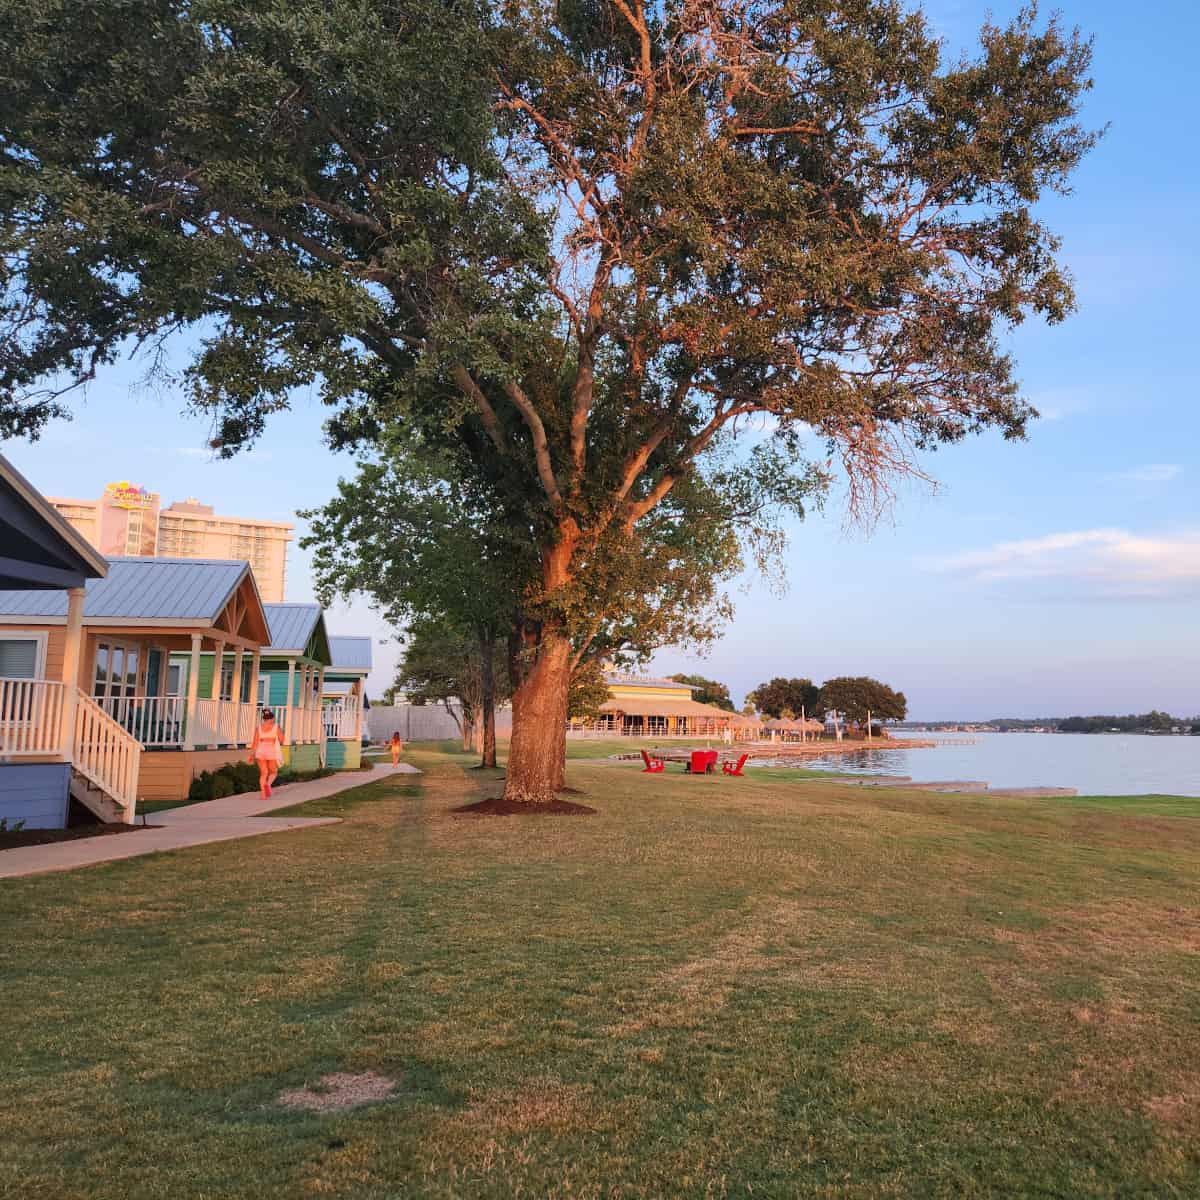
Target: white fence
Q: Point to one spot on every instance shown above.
(422, 722)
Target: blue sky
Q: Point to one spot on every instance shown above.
(1058, 575)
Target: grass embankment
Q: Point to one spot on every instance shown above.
(713, 987)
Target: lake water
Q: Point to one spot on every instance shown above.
(1095, 764)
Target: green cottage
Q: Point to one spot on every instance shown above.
(291, 675)
(343, 698)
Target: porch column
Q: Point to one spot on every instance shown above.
(193, 692)
(214, 691)
(72, 654)
(235, 690)
(302, 719)
(254, 670)
(288, 728)
(358, 720)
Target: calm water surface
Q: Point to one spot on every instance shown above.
(1095, 764)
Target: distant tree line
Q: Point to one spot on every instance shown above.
(857, 697)
(1151, 722)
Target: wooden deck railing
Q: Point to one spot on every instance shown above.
(341, 720)
(99, 748)
(300, 725)
(31, 717)
(105, 753)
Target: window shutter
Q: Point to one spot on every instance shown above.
(18, 658)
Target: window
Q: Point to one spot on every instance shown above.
(116, 673)
(264, 688)
(22, 657)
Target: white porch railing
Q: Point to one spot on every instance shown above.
(30, 717)
(99, 748)
(223, 723)
(105, 753)
(341, 720)
(154, 720)
(299, 725)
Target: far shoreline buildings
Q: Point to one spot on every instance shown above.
(129, 520)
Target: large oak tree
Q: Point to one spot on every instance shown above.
(581, 244)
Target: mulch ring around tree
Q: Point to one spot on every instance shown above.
(499, 807)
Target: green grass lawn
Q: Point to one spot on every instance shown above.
(765, 987)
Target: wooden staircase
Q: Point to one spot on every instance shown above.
(41, 721)
(104, 763)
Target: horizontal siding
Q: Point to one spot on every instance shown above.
(167, 774)
(34, 793)
(302, 758)
(343, 755)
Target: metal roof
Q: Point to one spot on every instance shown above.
(621, 679)
(291, 626)
(173, 589)
(350, 653)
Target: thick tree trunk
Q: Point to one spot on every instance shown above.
(487, 700)
(468, 732)
(536, 753)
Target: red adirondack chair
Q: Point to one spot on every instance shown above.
(654, 766)
(730, 769)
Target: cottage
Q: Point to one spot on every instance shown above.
(646, 707)
(291, 680)
(343, 698)
(143, 646)
(39, 719)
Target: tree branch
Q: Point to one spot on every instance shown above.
(541, 446)
(487, 414)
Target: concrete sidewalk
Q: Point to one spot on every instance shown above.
(194, 825)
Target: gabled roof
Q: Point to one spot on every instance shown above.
(38, 548)
(169, 589)
(622, 679)
(293, 627)
(351, 653)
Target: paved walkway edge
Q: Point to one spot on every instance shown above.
(194, 825)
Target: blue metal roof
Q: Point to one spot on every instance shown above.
(351, 653)
(173, 589)
(291, 625)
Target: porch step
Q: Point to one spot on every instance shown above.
(97, 800)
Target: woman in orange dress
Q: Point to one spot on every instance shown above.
(266, 749)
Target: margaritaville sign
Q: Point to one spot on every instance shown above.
(129, 495)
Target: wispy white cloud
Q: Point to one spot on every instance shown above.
(1060, 404)
(1148, 473)
(1112, 563)
(205, 454)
